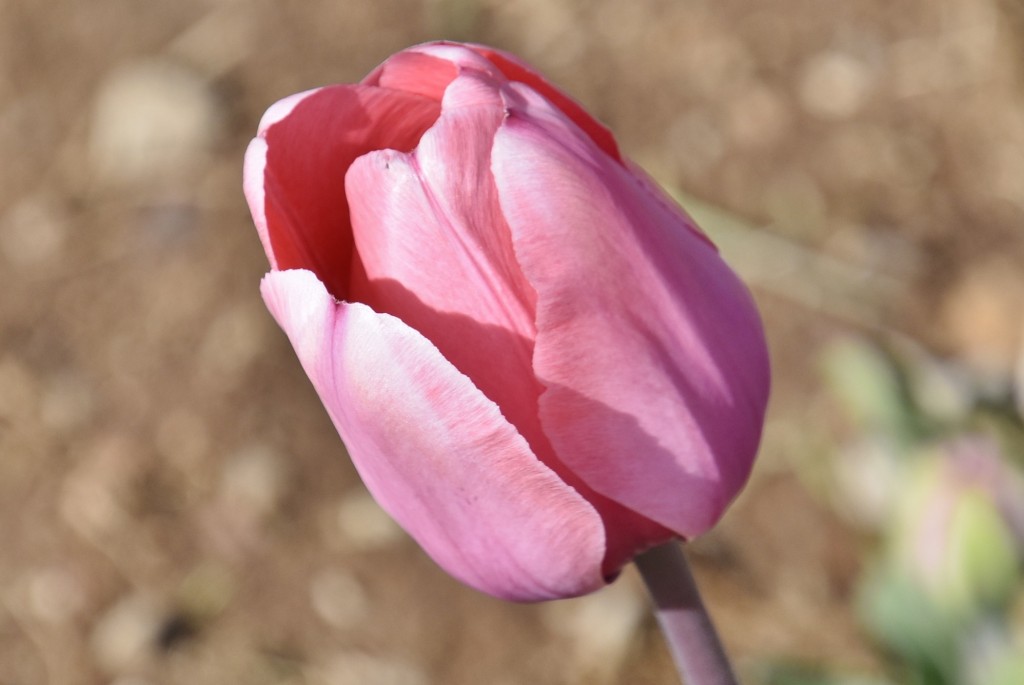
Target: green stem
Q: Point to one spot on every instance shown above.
(685, 622)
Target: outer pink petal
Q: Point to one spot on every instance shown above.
(437, 454)
(650, 347)
(295, 169)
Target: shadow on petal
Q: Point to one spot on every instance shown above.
(498, 362)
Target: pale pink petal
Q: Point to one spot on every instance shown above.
(650, 348)
(436, 453)
(438, 255)
(253, 169)
(295, 169)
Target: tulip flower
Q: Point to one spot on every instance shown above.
(539, 365)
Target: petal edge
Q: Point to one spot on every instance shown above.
(436, 453)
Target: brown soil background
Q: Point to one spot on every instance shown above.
(175, 506)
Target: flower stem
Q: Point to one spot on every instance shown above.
(685, 622)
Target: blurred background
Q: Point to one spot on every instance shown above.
(175, 506)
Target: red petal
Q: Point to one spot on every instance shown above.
(295, 170)
(517, 70)
(414, 72)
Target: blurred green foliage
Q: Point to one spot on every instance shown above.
(940, 592)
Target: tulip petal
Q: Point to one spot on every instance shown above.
(436, 453)
(414, 72)
(417, 70)
(464, 56)
(294, 179)
(517, 70)
(650, 348)
(438, 255)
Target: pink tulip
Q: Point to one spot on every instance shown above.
(539, 365)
